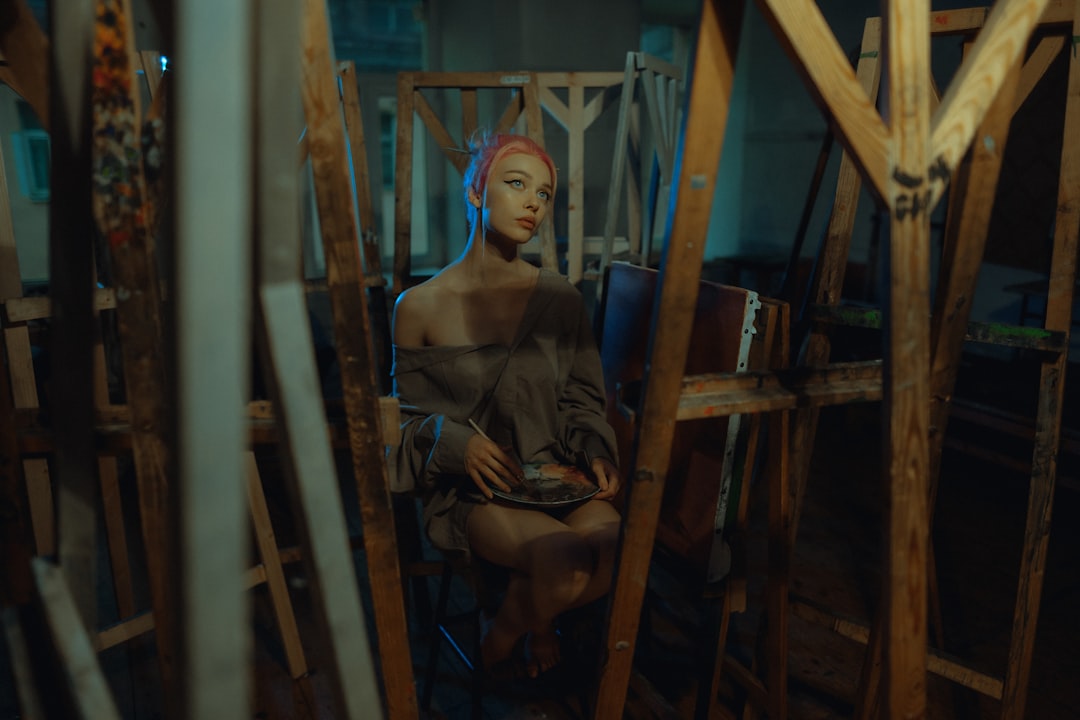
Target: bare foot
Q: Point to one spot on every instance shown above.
(542, 651)
(496, 645)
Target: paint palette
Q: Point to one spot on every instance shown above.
(550, 485)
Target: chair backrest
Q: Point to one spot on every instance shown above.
(707, 459)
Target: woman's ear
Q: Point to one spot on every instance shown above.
(474, 198)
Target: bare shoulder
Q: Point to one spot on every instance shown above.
(414, 310)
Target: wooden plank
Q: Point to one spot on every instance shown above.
(20, 309)
(1000, 45)
(209, 525)
(352, 336)
(124, 631)
(804, 33)
(84, 680)
(15, 581)
(511, 112)
(967, 20)
(729, 394)
(971, 202)
(403, 178)
(664, 153)
(779, 553)
(832, 264)
(119, 207)
(449, 147)
(112, 505)
(937, 662)
(1036, 65)
(599, 104)
(469, 113)
(266, 542)
(907, 355)
(1051, 398)
(707, 113)
(468, 79)
(575, 188)
(350, 102)
(618, 167)
(555, 107)
(369, 235)
(71, 280)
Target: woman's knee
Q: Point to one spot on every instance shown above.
(563, 563)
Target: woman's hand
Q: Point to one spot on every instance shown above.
(488, 464)
(607, 477)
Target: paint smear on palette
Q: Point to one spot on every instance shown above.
(550, 485)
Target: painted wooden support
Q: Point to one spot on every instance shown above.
(707, 113)
(353, 340)
(119, 213)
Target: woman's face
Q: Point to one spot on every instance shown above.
(518, 197)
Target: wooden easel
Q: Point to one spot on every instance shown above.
(970, 203)
(907, 166)
(661, 88)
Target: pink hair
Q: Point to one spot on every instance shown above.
(487, 150)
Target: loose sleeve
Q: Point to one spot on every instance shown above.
(431, 442)
(583, 421)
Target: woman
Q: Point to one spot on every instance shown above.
(495, 365)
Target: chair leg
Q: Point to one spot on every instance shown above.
(435, 639)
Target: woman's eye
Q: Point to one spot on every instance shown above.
(517, 183)
(543, 195)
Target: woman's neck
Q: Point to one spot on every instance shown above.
(493, 259)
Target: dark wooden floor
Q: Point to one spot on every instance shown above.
(978, 526)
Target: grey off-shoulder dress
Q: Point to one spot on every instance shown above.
(543, 395)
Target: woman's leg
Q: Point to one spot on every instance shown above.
(552, 565)
(597, 522)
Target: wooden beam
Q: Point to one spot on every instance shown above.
(352, 323)
(706, 118)
(734, 393)
(210, 528)
(907, 356)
